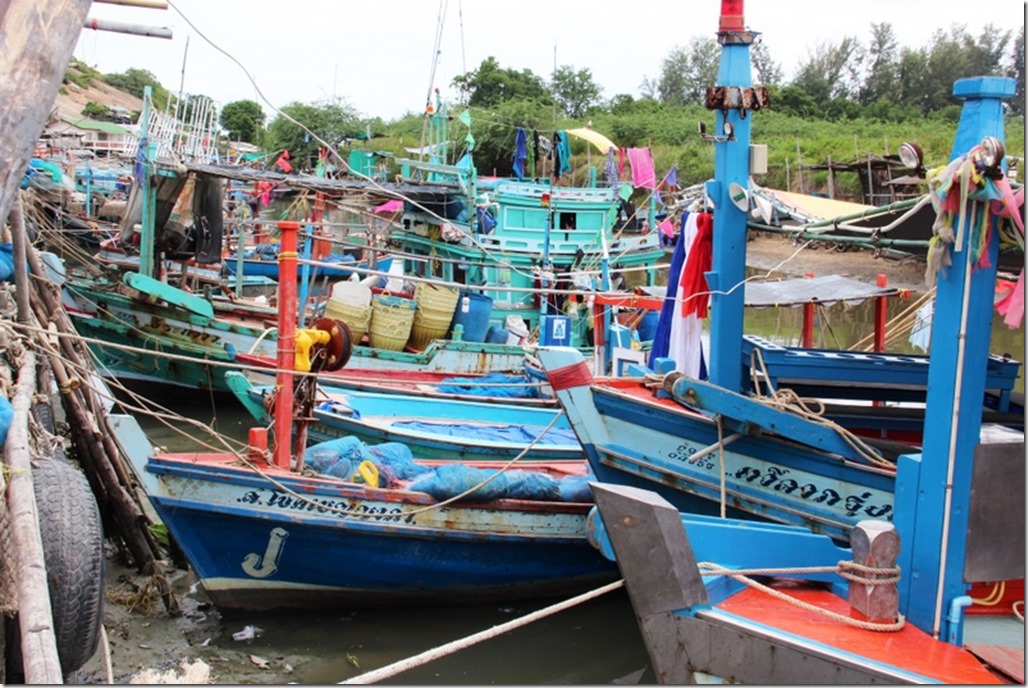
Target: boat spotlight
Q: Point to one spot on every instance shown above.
(912, 156)
(991, 153)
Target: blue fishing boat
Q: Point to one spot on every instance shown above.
(797, 552)
(432, 427)
(288, 528)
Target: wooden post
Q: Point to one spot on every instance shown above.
(40, 660)
(807, 338)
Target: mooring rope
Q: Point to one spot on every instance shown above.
(845, 569)
(417, 660)
(787, 400)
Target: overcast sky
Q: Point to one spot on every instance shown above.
(378, 56)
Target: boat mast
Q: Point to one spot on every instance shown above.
(731, 99)
(935, 546)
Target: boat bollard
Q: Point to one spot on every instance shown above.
(875, 544)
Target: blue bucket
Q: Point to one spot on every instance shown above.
(472, 312)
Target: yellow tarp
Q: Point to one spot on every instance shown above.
(815, 206)
(594, 137)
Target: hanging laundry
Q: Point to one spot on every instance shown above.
(561, 154)
(520, 153)
(644, 175)
(610, 169)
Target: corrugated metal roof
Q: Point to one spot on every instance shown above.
(103, 127)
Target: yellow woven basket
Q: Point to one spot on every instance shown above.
(357, 318)
(391, 321)
(433, 315)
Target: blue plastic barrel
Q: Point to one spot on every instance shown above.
(472, 312)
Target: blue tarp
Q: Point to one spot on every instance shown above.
(341, 457)
(497, 433)
(483, 386)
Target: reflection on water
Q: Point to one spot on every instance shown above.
(841, 325)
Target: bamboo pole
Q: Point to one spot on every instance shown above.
(40, 660)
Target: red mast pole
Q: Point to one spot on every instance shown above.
(287, 259)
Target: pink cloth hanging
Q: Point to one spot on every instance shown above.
(644, 174)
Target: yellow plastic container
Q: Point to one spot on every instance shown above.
(391, 321)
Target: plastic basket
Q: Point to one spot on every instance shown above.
(357, 318)
(433, 315)
(391, 321)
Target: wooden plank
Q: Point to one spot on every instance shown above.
(1006, 660)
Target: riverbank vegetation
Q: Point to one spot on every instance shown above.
(848, 100)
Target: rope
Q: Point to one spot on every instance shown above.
(423, 658)
(743, 576)
(788, 401)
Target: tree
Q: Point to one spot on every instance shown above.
(95, 110)
(829, 71)
(331, 122)
(766, 71)
(686, 73)
(1016, 72)
(490, 85)
(575, 92)
(135, 81)
(243, 120)
(881, 80)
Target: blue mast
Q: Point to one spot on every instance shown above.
(932, 509)
(732, 99)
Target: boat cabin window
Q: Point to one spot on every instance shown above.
(567, 221)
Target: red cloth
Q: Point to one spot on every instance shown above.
(698, 262)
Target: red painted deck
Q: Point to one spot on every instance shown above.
(909, 649)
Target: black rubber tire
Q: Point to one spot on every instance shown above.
(72, 535)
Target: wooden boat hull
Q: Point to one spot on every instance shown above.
(257, 545)
(135, 339)
(439, 428)
(722, 630)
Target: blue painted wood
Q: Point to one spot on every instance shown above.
(748, 416)
(258, 545)
(934, 549)
(728, 267)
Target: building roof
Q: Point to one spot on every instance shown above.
(102, 127)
